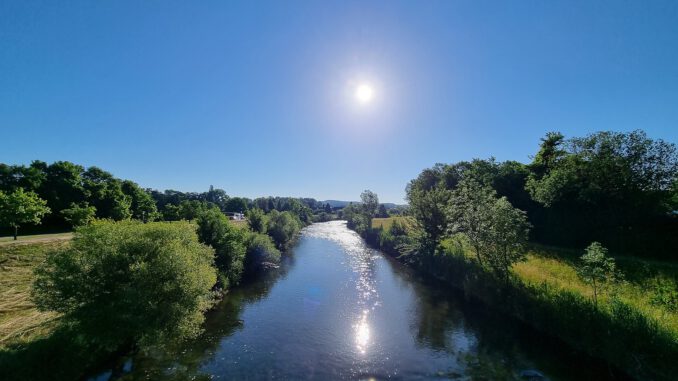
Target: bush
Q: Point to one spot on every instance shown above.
(214, 229)
(256, 218)
(260, 252)
(283, 227)
(121, 283)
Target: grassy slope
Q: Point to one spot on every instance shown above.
(20, 321)
(557, 268)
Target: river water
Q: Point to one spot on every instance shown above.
(337, 309)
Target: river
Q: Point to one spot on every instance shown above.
(337, 309)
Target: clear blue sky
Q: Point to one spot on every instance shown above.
(256, 98)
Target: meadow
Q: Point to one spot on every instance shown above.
(20, 321)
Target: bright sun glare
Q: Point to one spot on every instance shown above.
(364, 93)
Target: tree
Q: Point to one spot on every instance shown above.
(597, 268)
(61, 186)
(282, 227)
(507, 238)
(428, 200)
(79, 214)
(382, 213)
(369, 204)
(124, 282)
(608, 186)
(19, 208)
(257, 220)
(215, 230)
(191, 209)
(142, 206)
(236, 205)
(470, 212)
(260, 252)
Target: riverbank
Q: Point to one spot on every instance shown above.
(631, 328)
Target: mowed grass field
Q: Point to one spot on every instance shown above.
(649, 286)
(33, 238)
(20, 321)
(384, 223)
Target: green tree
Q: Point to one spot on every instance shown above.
(428, 196)
(507, 238)
(260, 252)
(236, 205)
(382, 213)
(282, 227)
(19, 208)
(61, 186)
(79, 214)
(470, 212)
(256, 218)
(597, 268)
(121, 283)
(369, 205)
(608, 186)
(191, 209)
(215, 230)
(142, 206)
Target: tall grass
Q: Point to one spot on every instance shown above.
(625, 329)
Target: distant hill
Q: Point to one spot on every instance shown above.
(337, 203)
(342, 204)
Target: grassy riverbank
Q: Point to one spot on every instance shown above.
(634, 326)
(20, 321)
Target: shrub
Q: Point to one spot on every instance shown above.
(215, 230)
(124, 282)
(257, 220)
(283, 227)
(260, 251)
(597, 268)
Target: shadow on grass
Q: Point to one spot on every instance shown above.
(64, 355)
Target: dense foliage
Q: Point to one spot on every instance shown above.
(228, 242)
(261, 253)
(283, 227)
(66, 186)
(123, 282)
(616, 188)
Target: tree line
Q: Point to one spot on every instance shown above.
(620, 189)
(45, 197)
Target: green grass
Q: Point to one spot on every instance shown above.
(30, 238)
(385, 223)
(20, 321)
(644, 281)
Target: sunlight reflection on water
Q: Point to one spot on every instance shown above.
(361, 261)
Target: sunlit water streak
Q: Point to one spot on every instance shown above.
(360, 259)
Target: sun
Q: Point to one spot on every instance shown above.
(364, 93)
